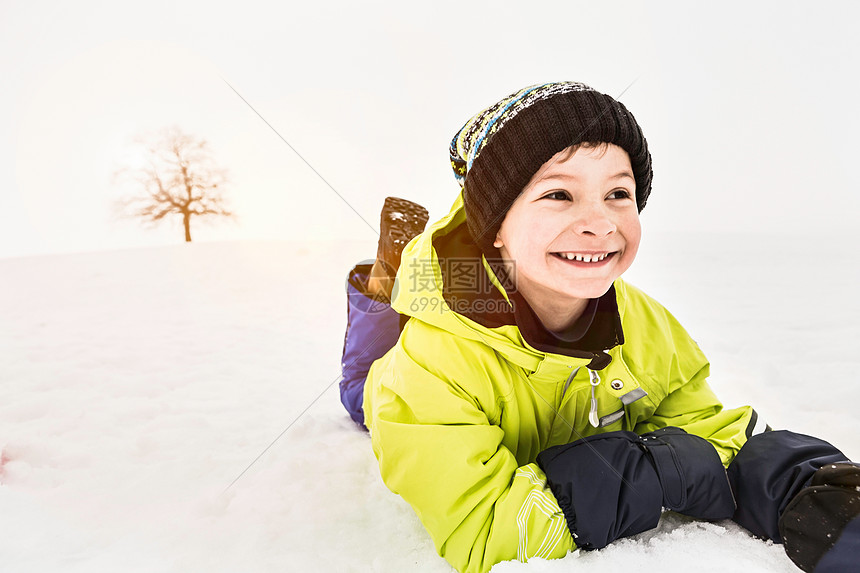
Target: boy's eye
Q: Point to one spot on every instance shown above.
(562, 195)
(620, 194)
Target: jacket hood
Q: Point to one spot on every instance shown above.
(445, 281)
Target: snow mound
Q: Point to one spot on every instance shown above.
(138, 385)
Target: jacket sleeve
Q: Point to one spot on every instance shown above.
(676, 372)
(437, 448)
(693, 407)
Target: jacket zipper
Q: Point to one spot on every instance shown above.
(567, 384)
(592, 415)
(561, 399)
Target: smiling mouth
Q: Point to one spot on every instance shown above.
(589, 258)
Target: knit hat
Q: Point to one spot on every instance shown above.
(496, 153)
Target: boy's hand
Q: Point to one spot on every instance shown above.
(615, 484)
(692, 476)
(606, 487)
(820, 527)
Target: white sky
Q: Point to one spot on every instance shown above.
(750, 110)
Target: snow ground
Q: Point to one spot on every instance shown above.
(136, 385)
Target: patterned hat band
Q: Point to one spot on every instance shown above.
(495, 154)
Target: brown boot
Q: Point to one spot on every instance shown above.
(400, 221)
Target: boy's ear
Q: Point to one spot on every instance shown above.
(498, 242)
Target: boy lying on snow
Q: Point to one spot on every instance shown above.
(527, 401)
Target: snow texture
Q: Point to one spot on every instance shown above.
(137, 385)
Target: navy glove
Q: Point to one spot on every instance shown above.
(769, 471)
(615, 484)
(692, 477)
(821, 525)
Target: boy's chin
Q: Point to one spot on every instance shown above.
(592, 293)
(555, 291)
(585, 293)
(596, 290)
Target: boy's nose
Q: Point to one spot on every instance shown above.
(593, 220)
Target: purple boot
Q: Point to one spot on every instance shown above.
(373, 327)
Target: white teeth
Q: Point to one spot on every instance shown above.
(583, 258)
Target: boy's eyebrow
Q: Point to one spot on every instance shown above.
(619, 175)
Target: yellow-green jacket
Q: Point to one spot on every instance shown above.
(459, 411)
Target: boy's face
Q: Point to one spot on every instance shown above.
(583, 206)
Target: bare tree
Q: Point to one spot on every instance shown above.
(180, 178)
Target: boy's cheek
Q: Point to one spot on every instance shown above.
(634, 232)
